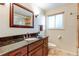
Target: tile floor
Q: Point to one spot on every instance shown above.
(55, 52)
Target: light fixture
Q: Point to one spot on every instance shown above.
(35, 10)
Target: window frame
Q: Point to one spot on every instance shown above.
(55, 22)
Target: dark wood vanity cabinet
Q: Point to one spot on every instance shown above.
(37, 48)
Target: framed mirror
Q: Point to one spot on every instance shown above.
(20, 16)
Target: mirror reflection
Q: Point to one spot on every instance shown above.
(22, 16)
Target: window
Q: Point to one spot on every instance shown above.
(55, 21)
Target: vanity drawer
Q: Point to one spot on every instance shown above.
(35, 45)
(37, 52)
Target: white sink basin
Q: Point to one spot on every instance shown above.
(29, 39)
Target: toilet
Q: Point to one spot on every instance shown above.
(51, 45)
(52, 48)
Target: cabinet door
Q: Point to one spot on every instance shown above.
(45, 51)
(24, 51)
(16, 53)
(35, 45)
(37, 52)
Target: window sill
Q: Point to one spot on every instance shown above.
(55, 29)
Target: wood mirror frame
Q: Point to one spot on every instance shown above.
(31, 17)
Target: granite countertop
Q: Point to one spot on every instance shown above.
(10, 47)
(8, 42)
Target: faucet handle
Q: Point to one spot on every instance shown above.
(27, 35)
(24, 36)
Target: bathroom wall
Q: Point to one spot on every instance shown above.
(5, 30)
(68, 42)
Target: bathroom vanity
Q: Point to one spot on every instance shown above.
(28, 47)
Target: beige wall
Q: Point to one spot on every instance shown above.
(5, 30)
(69, 33)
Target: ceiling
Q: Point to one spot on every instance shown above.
(47, 6)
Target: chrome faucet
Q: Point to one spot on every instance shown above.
(25, 36)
